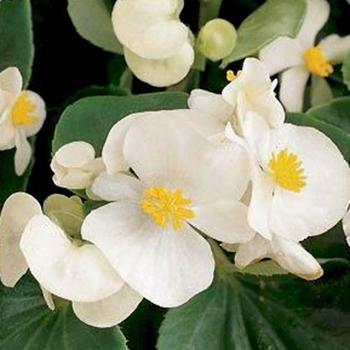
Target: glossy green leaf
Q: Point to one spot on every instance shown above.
(332, 118)
(27, 323)
(278, 313)
(92, 20)
(346, 71)
(99, 114)
(273, 19)
(16, 37)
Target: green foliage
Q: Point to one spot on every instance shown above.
(99, 114)
(92, 20)
(273, 19)
(27, 323)
(276, 313)
(16, 37)
(346, 71)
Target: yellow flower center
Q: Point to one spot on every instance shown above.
(317, 63)
(164, 206)
(231, 76)
(287, 170)
(22, 111)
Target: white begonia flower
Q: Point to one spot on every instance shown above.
(300, 57)
(75, 166)
(253, 90)
(75, 270)
(346, 227)
(292, 169)
(183, 182)
(17, 211)
(22, 114)
(157, 45)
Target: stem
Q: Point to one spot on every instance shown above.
(209, 9)
(223, 264)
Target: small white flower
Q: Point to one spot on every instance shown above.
(300, 57)
(22, 114)
(300, 180)
(75, 270)
(75, 166)
(157, 45)
(252, 90)
(346, 226)
(147, 232)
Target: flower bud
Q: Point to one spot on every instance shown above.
(217, 39)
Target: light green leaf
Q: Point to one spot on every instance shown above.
(16, 37)
(98, 115)
(26, 323)
(346, 71)
(273, 19)
(320, 92)
(92, 20)
(332, 118)
(276, 313)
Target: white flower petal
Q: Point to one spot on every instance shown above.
(282, 53)
(110, 311)
(152, 32)
(164, 71)
(335, 47)
(117, 187)
(186, 161)
(11, 81)
(75, 154)
(18, 209)
(323, 201)
(294, 258)
(77, 273)
(317, 15)
(166, 267)
(252, 251)
(293, 83)
(7, 132)
(225, 221)
(23, 152)
(48, 298)
(346, 226)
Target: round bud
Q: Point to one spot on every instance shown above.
(217, 39)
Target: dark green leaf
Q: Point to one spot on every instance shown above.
(92, 20)
(273, 19)
(98, 114)
(26, 323)
(16, 37)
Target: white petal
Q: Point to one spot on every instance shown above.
(18, 209)
(187, 161)
(110, 311)
(48, 298)
(75, 154)
(166, 267)
(77, 273)
(23, 153)
(293, 83)
(346, 226)
(335, 47)
(212, 104)
(7, 131)
(226, 221)
(282, 53)
(112, 152)
(323, 201)
(11, 81)
(294, 258)
(317, 15)
(162, 72)
(117, 187)
(252, 251)
(320, 92)
(152, 32)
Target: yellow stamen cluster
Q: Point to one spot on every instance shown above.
(231, 76)
(22, 111)
(164, 206)
(287, 171)
(317, 63)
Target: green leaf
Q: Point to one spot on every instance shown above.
(346, 71)
(241, 312)
(99, 114)
(273, 19)
(92, 20)
(16, 37)
(27, 323)
(332, 118)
